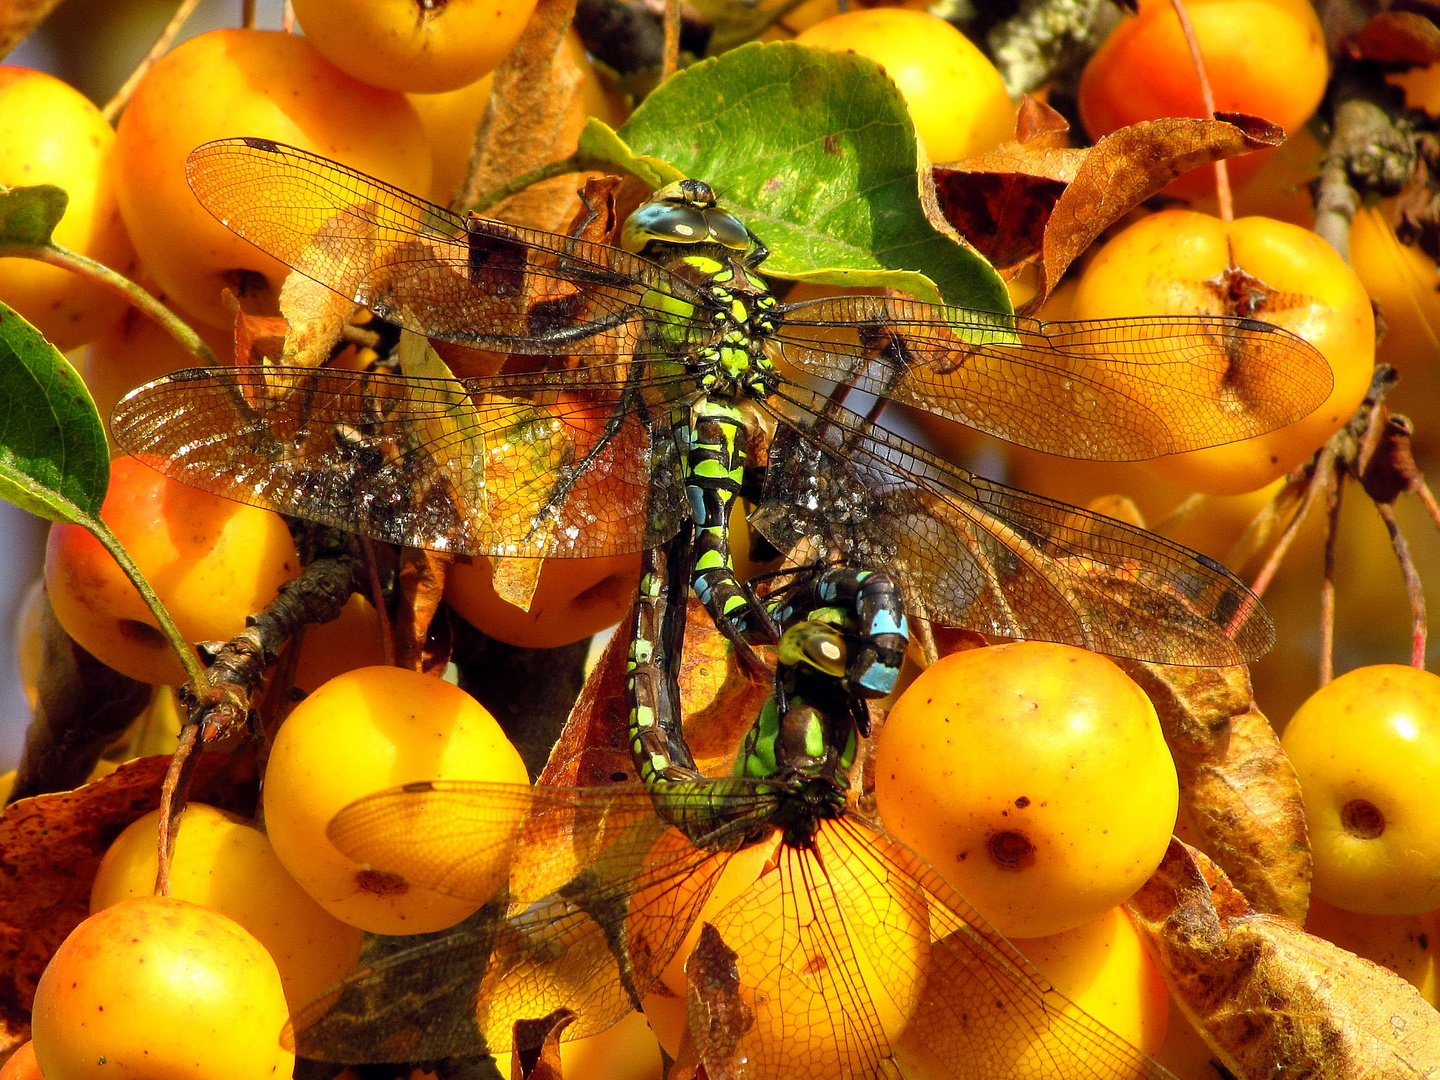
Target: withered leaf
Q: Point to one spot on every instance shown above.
(1038, 125)
(542, 1064)
(422, 587)
(259, 339)
(50, 848)
(1272, 1001)
(717, 700)
(316, 315)
(717, 1016)
(1028, 199)
(534, 117)
(1237, 789)
(1396, 37)
(19, 17)
(515, 580)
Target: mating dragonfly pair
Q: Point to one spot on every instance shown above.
(670, 360)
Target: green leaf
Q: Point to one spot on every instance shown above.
(53, 457)
(817, 152)
(28, 215)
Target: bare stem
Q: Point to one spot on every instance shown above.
(1413, 587)
(117, 283)
(247, 14)
(161, 46)
(1334, 493)
(670, 60)
(1207, 95)
(1319, 480)
(173, 795)
(377, 597)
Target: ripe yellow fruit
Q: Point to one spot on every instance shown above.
(225, 863)
(50, 133)
(414, 45)
(362, 732)
(1171, 263)
(230, 83)
(156, 988)
(1366, 748)
(956, 97)
(1034, 777)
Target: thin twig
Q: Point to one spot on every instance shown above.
(1413, 587)
(1207, 96)
(1319, 480)
(377, 597)
(1334, 493)
(1191, 506)
(161, 46)
(670, 60)
(247, 14)
(173, 795)
(287, 17)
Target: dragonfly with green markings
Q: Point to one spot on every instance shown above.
(800, 937)
(649, 375)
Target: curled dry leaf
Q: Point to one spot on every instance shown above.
(717, 699)
(1273, 1002)
(1396, 37)
(717, 1016)
(544, 1064)
(259, 339)
(421, 643)
(1237, 789)
(50, 848)
(1032, 199)
(316, 315)
(534, 117)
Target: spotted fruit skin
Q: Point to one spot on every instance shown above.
(1035, 777)
(1366, 748)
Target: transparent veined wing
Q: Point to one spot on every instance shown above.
(1106, 390)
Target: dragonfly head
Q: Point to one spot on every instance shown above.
(684, 212)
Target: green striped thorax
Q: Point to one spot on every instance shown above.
(682, 227)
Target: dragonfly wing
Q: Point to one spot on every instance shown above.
(468, 280)
(601, 892)
(1106, 390)
(976, 554)
(536, 466)
(978, 1010)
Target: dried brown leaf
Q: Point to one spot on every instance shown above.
(717, 1018)
(1237, 789)
(1397, 37)
(515, 580)
(19, 18)
(1272, 1001)
(1028, 199)
(543, 1064)
(1037, 124)
(316, 315)
(717, 700)
(50, 848)
(420, 643)
(259, 339)
(81, 707)
(534, 117)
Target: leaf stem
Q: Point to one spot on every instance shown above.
(161, 46)
(118, 283)
(199, 681)
(523, 181)
(1207, 95)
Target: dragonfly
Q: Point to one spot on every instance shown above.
(840, 953)
(667, 366)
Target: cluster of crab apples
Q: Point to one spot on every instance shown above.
(1034, 778)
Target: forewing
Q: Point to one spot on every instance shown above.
(979, 555)
(1107, 390)
(472, 281)
(978, 1010)
(601, 893)
(549, 465)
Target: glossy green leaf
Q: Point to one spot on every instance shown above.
(817, 152)
(53, 457)
(28, 215)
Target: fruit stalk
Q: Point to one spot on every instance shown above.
(159, 49)
(1222, 174)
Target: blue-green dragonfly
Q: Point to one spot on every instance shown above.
(663, 360)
